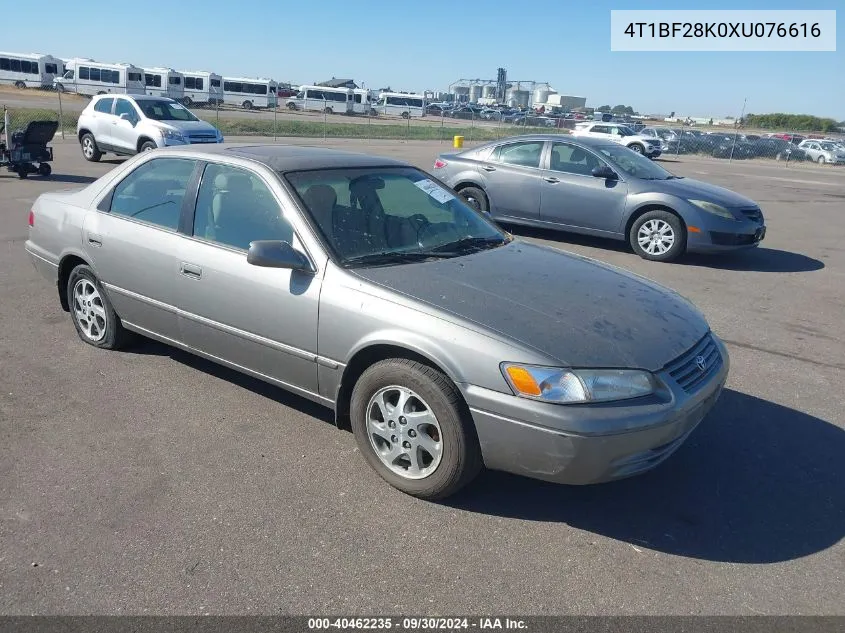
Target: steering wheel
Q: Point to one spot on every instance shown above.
(422, 224)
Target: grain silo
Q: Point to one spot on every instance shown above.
(475, 93)
(541, 96)
(461, 93)
(522, 97)
(489, 91)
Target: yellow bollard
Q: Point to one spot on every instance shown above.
(459, 142)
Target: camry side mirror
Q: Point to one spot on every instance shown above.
(277, 254)
(603, 171)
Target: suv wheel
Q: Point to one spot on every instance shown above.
(639, 149)
(90, 151)
(658, 236)
(148, 146)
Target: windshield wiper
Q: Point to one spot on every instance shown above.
(469, 243)
(394, 257)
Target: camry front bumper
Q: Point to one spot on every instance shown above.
(586, 444)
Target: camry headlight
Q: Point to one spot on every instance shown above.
(173, 135)
(712, 207)
(554, 384)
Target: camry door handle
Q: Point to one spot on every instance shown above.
(190, 270)
(551, 179)
(488, 168)
(94, 239)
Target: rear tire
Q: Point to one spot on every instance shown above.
(20, 85)
(90, 151)
(292, 106)
(445, 427)
(328, 111)
(44, 169)
(92, 314)
(658, 236)
(476, 198)
(187, 102)
(247, 105)
(23, 172)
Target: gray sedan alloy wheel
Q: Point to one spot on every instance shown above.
(413, 429)
(404, 432)
(89, 311)
(656, 237)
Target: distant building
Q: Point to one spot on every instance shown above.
(338, 83)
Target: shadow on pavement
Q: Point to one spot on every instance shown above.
(755, 483)
(149, 347)
(759, 259)
(70, 178)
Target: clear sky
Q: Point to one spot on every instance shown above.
(428, 44)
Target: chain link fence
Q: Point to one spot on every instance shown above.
(324, 121)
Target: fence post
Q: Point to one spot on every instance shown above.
(61, 117)
(325, 117)
(408, 127)
(275, 116)
(6, 126)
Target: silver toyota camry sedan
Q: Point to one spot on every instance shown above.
(365, 285)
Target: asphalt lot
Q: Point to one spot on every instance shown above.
(148, 481)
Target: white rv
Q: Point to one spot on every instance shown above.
(361, 103)
(29, 70)
(322, 99)
(402, 104)
(164, 82)
(202, 88)
(250, 93)
(89, 77)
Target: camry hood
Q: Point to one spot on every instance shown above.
(578, 311)
(688, 188)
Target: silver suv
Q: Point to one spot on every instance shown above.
(622, 134)
(129, 124)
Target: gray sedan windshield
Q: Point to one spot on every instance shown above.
(633, 164)
(391, 215)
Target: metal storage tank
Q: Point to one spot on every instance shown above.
(489, 92)
(541, 96)
(510, 96)
(461, 93)
(474, 93)
(523, 97)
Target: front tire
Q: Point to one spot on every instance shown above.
(90, 151)
(44, 169)
(247, 105)
(412, 427)
(148, 146)
(821, 160)
(476, 198)
(20, 85)
(658, 236)
(639, 149)
(93, 316)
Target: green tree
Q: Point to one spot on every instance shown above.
(604, 108)
(790, 122)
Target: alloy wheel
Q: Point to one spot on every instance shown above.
(655, 237)
(404, 432)
(89, 311)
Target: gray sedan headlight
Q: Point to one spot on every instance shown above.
(712, 207)
(553, 384)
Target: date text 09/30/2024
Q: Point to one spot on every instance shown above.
(415, 624)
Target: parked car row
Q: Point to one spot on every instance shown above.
(742, 146)
(442, 341)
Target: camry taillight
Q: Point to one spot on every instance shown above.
(440, 164)
(31, 218)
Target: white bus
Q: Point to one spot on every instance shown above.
(402, 104)
(322, 99)
(88, 77)
(164, 82)
(29, 70)
(250, 93)
(361, 103)
(202, 87)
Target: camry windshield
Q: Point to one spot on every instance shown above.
(387, 216)
(633, 164)
(165, 110)
(829, 147)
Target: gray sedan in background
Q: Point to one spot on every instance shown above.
(596, 187)
(363, 284)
